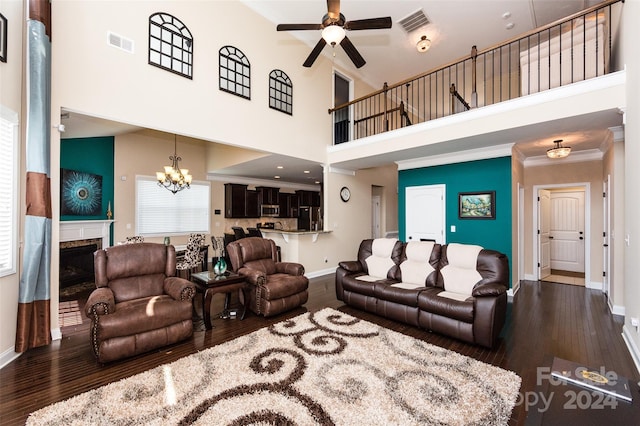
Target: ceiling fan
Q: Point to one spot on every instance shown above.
(333, 27)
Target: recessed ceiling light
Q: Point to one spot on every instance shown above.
(306, 171)
(276, 177)
(506, 15)
(510, 25)
(280, 167)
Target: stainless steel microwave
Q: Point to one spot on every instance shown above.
(270, 210)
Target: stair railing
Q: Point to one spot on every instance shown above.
(572, 49)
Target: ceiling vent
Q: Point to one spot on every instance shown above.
(414, 21)
(119, 42)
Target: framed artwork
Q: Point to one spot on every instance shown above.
(80, 193)
(3, 38)
(477, 205)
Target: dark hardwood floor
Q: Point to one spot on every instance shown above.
(544, 320)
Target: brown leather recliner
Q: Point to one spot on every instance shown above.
(276, 286)
(139, 304)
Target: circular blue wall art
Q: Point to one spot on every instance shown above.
(81, 193)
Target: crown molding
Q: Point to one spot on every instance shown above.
(340, 171)
(457, 157)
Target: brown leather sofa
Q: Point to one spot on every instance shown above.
(139, 304)
(458, 290)
(276, 286)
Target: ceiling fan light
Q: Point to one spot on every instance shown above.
(333, 34)
(558, 151)
(423, 44)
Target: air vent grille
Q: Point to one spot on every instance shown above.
(119, 42)
(414, 21)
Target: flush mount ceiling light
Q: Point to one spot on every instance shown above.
(174, 178)
(423, 44)
(333, 34)
(558, 151)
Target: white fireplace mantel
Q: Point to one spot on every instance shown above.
(73, 230)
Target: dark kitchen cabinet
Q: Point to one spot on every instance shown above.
(235, 200)
(308, 198)
(253, 204)
(268, 195)
(239, 202)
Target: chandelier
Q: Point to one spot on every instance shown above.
(174, 178)
(558, 151)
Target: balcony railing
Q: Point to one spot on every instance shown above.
(573, 49)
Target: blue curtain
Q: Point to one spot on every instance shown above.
(34, 317)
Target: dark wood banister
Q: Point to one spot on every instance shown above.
(476, 53)
(454, 93)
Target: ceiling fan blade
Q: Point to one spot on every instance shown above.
(352, 52)
(315, 53)
(296, 27)
(333, 9)
(368, 24)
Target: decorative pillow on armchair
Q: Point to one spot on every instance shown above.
(380, 261)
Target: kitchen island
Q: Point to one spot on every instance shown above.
(310, 248)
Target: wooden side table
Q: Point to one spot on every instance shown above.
(208, 283)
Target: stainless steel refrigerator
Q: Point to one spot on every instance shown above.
(309, 218)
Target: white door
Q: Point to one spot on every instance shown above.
(375, 216)
(567, 230)
(544, 232)
(425, 213)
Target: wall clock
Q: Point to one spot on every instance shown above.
(345, 194)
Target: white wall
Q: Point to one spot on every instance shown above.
(100, 80)
(11, 97)
(632, 176)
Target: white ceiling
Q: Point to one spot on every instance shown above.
(391, 56)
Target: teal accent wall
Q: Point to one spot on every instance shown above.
(91, 155)
(482, 175)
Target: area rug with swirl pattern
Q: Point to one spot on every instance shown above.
(319, 368)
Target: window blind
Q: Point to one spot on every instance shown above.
(8, 188)
(161, 213)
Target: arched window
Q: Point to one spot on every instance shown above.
(235, 72)
(170, 44)
(280, 92)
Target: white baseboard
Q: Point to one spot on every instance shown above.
(631, 345)
(594, 285)
(321, 272)
(56, 334)
(10, 354)
(615, 309)
(7, 356)
(512, 291)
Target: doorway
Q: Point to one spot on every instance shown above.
(375, 216)
(342, 93)
(561, 234)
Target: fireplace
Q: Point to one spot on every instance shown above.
(78, 241)
(76, 261)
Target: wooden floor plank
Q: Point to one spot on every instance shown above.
(544, 319)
